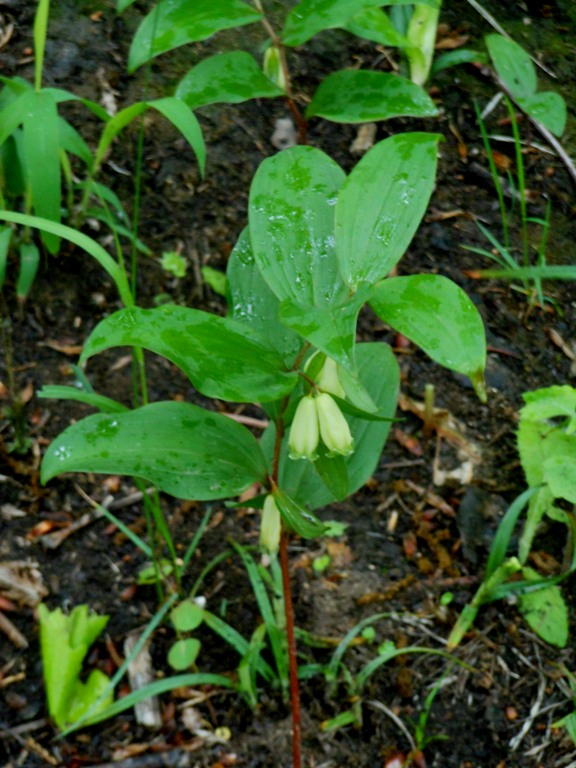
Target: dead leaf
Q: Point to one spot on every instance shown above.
(72, 350)
(444, 424)
(409, 442)
(452, 42)
(21, 582)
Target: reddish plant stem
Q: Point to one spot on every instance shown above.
(292, 658)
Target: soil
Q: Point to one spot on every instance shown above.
(410, 539)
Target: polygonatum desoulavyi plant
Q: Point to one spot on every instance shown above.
(318, 246)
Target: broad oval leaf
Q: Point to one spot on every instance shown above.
(361, 96)
(222, 357)
(291, 218)
(230, 77)
(545, 611)
(252, 301)
(187, 616)
(381, 205)
(185, 450)
(436, 314)
(173, 23)
(183, 653)
(548, 108)
(513, 65)
(332, 329)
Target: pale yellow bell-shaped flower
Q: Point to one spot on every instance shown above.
(328, 379)
(304, 432)
(334, 429)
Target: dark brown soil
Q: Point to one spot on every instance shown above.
(408, 541)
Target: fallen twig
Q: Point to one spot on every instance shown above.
(12, 633)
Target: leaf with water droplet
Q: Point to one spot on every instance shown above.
(185, 450)
(436, 314)
(381, 205)
(222, 357)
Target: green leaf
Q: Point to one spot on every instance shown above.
(61, 96)
(42, 152)
(65, 641)
(334, 473)
(183, 653)
(187, 616)
(361, 96)
(375, 25)
(544, 272)
(173, 109)
(173, 23)
(230, 77)
(312, 16)
(5, 238)
(513, 66)
(378, 372)
(545, 611)
(381, 205)
(121, 5)
(253, 302)
(86, 695)
(40, 30)
(183, 449)
(548, 108)
(193, 679)
(180, 115)
(215, 279)
(331, 329)
(501, 542)
(14, 114)
(436, 314)
(70, 141)
(455, 58)
(29, 262)
(291, 218)
(298, 518)
(560, 474)
(550, 403)
(421, 34)
(82, 241)
(222, 357)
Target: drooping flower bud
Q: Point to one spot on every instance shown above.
(328, 379)
(271, 525)
(273, 67)
(334, 428)
(304, 432)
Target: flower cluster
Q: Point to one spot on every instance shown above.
(319, 417)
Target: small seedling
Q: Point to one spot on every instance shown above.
(547, 447)
(65, 641)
